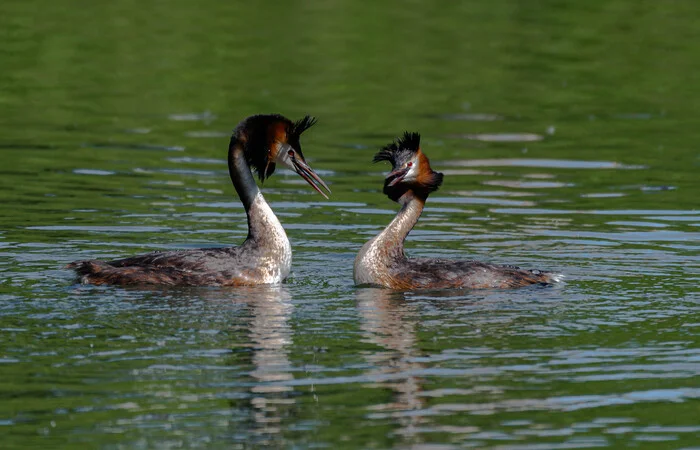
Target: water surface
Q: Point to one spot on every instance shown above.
(568, 137)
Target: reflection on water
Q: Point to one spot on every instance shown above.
(390, 323)
(559, 151)
(544, 163)
(270, 337)
(501, 137)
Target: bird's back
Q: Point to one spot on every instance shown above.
(231, 266)
(429, 273)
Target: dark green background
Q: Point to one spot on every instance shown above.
(114, 120)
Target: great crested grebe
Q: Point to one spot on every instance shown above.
(382, 262)
(265, 257)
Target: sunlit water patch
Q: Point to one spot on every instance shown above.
(500, 137)
(545, 163)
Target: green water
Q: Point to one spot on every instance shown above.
(568, 134)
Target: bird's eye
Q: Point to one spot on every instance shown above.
(409, 164)
(290, 152)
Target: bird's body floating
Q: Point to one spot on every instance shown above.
(258, 143)
(382, 262)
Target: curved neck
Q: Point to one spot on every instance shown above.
(267, 246)
(263, 225)
(242, 178)
(394, 235)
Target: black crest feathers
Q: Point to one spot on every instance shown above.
(399, 153)
(295, 129)
(400, 150)
(302, 125)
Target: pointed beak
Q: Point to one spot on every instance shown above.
(310, 176)
(396, 176)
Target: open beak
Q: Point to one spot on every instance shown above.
(310, 176)
(396, 176)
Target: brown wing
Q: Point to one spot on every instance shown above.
(186, 268)
(443, 274)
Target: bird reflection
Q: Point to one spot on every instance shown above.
(388, 321)
(269, 335)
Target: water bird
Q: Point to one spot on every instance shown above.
(259, 142)
(382, 262)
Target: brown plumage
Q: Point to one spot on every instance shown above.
(382, 261)
(258, 143)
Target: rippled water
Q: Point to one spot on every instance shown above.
(568, 138)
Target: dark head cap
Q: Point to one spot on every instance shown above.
(268, 139)
(262, 137)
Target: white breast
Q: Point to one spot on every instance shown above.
(367, 262)
(277, 262)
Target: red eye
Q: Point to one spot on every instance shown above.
(409, 164)
(290, 152)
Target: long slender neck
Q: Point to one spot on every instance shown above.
(242, 178)
(382, 254)
(394, 235)
(261, 220)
